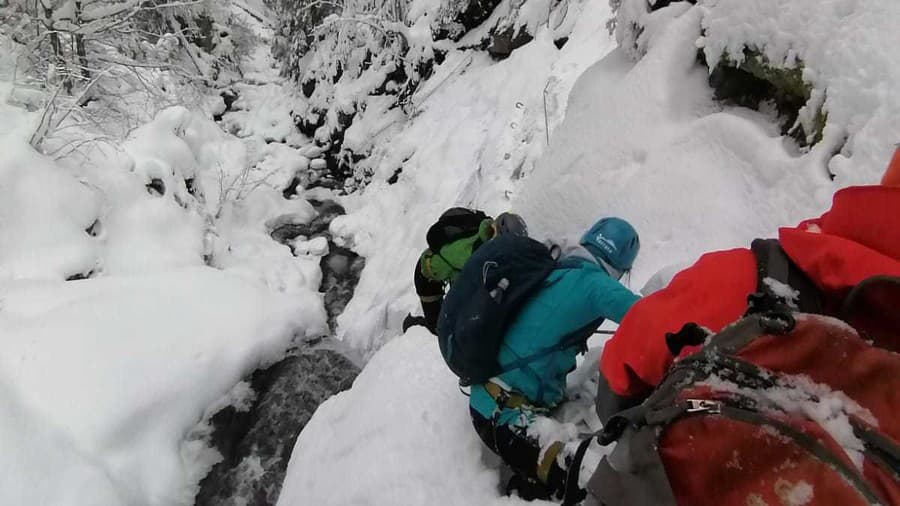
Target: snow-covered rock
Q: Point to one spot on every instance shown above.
(844, 47)
(654, 148)
(44, 217)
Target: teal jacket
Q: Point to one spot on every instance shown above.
(576, 293)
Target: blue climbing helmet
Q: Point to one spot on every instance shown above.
(614, 243)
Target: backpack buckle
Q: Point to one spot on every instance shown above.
(703, 406)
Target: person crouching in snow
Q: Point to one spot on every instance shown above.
(854, 240)
(451, 241)
(579, 292)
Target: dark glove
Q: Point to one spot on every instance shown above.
(411, 320)
(690, 334)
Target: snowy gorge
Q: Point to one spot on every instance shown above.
(147, 270)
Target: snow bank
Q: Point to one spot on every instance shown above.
(115, 372)
(43, 211)
(102, 380)
(646, 142)
(849, 52)
(845, 48)
(263, 111)
(44, 215)
(401, 435)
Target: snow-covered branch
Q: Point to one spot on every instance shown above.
(374, 22)
(84, 51)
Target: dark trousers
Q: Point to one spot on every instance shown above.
(522, 453)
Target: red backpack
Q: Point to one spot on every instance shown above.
(783, 407)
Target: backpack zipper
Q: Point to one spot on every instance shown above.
(883, 451)
(703, 406)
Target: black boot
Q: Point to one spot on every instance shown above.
(527, 488)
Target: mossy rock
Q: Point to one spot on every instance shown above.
(755, 80)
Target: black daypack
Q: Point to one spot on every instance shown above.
(454, 224)
(491, 288)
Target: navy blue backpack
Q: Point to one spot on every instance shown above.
(491, 288)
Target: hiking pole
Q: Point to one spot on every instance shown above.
(604, 332)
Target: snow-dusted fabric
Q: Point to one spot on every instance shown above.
(849, 243)
(829, 381)
(712, 293)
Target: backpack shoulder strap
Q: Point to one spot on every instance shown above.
(578, 338)
(773, 264)
(883, 287)
(873, 308)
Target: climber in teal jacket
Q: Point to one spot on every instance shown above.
(583, 289)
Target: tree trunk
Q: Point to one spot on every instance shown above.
(54, 35)
(57, 59)
(80, 49)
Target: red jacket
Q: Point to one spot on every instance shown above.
(857, 238)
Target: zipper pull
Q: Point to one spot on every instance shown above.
(497, 293)
(703, 406)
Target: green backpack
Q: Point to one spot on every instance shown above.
(451, 241)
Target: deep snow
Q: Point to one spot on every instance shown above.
(642, 139)
(415, 446)
(102, 379)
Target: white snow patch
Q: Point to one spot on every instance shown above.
(801, 396)
(403, 434)
(794, 494)
(646, 142)
(44, 214)
(783, 291)
(117, 370)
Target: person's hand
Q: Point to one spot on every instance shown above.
(411, 321)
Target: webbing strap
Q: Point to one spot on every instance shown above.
(572, 495)
(505, 398)
(448, 262)
(808, 443)
(857, 294)
(571, 339)
(773, 263)
(543, 468)
(881, 448)
(633, 474)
